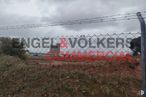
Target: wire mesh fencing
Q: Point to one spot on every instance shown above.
(80, 61)
(80, 47)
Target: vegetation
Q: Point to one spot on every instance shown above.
(98, 79)
(12, 47)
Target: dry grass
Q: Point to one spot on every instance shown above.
(69, 79)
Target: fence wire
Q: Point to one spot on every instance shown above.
(85, 45)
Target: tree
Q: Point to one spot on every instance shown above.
(13, 47)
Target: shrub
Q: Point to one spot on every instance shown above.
(12, 47)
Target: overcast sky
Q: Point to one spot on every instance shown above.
(17, 12)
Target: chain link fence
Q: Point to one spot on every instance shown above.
(84, 44)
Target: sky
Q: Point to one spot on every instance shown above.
(22, 12)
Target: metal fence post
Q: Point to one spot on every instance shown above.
(143, 50)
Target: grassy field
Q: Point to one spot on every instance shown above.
(38, 78)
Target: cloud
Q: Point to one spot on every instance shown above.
(17, 12)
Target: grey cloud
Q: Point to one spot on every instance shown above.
(80, 9)
(65, 10)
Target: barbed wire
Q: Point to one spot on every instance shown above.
(111, 18)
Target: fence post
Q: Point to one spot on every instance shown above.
(143, 51)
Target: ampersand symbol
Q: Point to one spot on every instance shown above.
(63, 43)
